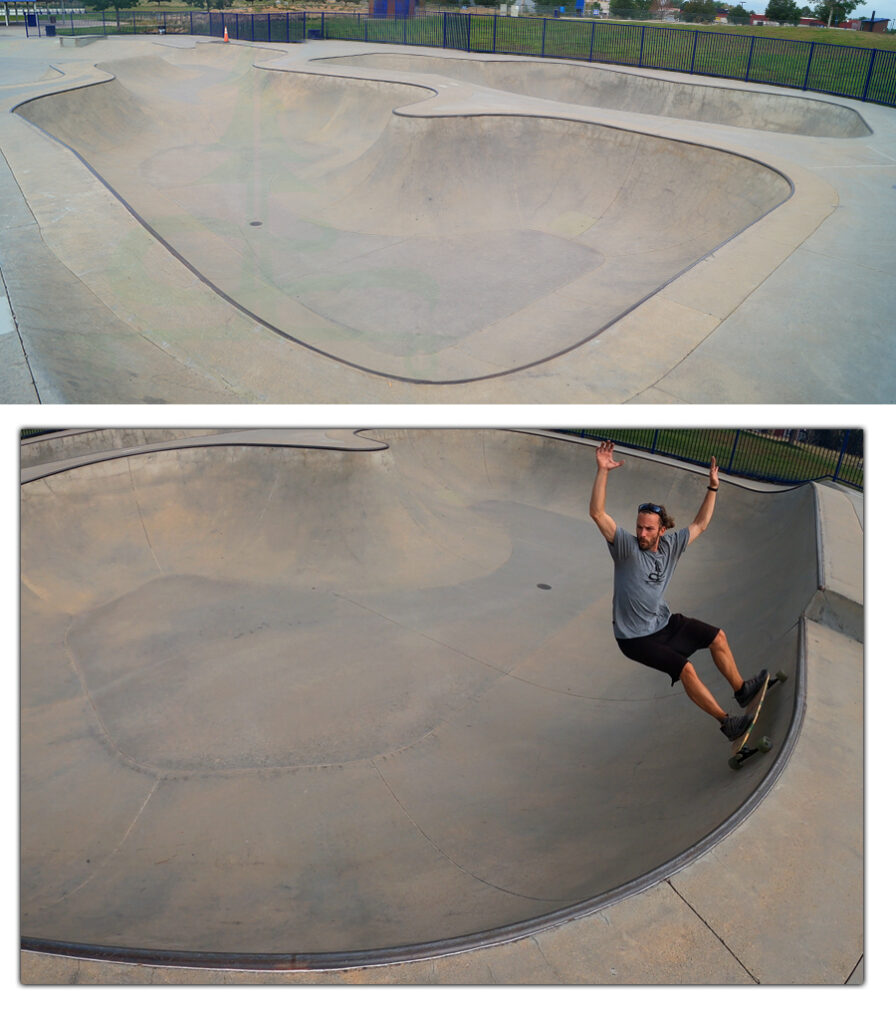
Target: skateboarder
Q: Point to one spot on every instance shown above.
(645, 629)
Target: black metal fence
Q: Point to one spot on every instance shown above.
(855, 72)
(785, 456)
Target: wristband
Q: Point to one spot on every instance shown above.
(712, 488)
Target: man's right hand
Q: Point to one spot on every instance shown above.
(604, 456)
(597, 509)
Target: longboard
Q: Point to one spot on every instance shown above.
(740, 752)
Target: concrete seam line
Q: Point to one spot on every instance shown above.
(710, 928)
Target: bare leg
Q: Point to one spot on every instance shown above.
(724, 660)
(699, 694)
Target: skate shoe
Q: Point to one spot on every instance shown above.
(733, 727)
(751, 687)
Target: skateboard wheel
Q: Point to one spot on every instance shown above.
(765, 744)
(734, 763)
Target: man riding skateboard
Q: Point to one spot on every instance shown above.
(645, 628)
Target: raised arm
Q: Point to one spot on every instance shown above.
(603, 455)
(707, 507)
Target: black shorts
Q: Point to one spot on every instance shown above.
(669, 648)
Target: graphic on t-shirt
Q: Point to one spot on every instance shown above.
(658, 572)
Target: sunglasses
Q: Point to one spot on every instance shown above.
(648, 506)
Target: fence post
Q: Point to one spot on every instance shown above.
(544, 28)
(641, 51)
(655, 442)
(694, 51)
(808, 66)
(750, 58)
(495, 33)
(868, 76)
(733, 450)
(591, 48)
(842, 453)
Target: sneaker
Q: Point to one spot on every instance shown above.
(751, 687)
(734, 727)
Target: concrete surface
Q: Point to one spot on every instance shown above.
(480, 757)
(320, 224)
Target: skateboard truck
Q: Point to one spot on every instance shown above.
(740, 752)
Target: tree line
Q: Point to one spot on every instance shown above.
(786, 12)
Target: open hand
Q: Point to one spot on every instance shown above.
(713, 472)
(604, 456)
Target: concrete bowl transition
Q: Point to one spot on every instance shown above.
(602, 86)
(438, 249)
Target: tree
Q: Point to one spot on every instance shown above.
(738, 16)
(832, 12)
(210, 5)
(119, 5)
(104, 5)
(698, 10)
(783, 11)
(629, 8)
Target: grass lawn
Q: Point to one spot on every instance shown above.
(784, 56)
(861, 65)
(742, 452)
(834, 36)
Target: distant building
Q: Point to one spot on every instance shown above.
(856, 24)
(869, 24)
(392, 8)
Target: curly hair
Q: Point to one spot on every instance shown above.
(666, 520)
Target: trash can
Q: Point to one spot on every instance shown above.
(31, 20)
(49, 30)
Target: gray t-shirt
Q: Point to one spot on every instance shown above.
(640, 580)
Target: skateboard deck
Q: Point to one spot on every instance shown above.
(740, 751)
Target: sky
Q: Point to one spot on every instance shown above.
(883, 9)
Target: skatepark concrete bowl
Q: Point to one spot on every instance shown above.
(620, 90)
(425, 249)
(185, 221)
(354, 699)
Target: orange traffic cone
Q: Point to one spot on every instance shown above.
(226, 36)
